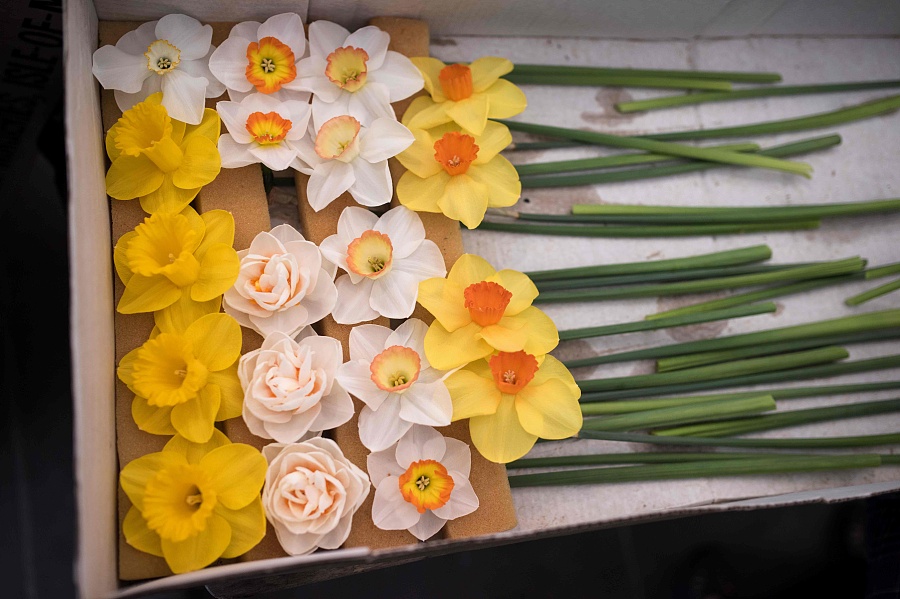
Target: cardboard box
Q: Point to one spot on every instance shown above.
(858, 173)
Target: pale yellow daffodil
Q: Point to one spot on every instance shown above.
(478, 310)
(160, 160)
(512, 399)
(466, 94)
(195, 503)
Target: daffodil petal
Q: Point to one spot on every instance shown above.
(551, 368)
(430, 116)
(237, 472)
(487, 69)
(465, 200)
(418, 104)
(200, 165)
(131, 177)
(120, 260)
(138, 535)
(471, 113)
(219, 229)
(543, 335)
(140, 471)
(500, 437)
(216, 340)
(147, 294)
(196, 223)
(418, 157)
(522, 288)
(446, 351)
(420, 194)
(230, 388)
(506, 335)
(168, 198)
(180, 315)
(431, 71)
(549, 410)
(210, 127)
(200, 550)
(469, 269)
(194, 452)
(444, 301)
(151, 419)
(500, 178)
(495, 138)
(471, 394)
(110, 142)
(248, 527)
(218, 271)
(505, 100)
(126, 367)
(194, 418)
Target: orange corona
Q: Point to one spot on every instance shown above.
(426, 484)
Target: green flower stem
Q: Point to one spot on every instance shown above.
(714, 372)
(606, 459)
(756, 92)
(701, 469)
(815, 271)
(871, 294)
(845, 325)
(676, 415)
(617, 160)
(652, 325)
(662, 147)
(883, 271)
(644, 231)
(736, 77)
(528, 146)
(745, 255)
(795, 443)
(637, 405)
(768, 349)
(793, 374)
(730, 428)
(617, 81)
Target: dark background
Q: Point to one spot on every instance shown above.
(844, 550)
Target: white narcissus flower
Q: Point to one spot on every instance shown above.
(282, 285)
(343, 155)
(262, 58)
(355, 74)
(289, 387)
(385, 258)
(168, 55)
(311, 493)
(261, 129)
(421, 482)
(388, 371)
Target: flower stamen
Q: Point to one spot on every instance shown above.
(162, 57)
(455, 152)
(270, 64)
(370, 255)
(513, 370)
(347, 68)
(396, 368)
(426, 484)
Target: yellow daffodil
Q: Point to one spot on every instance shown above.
(175, 259)
(195, 503)
(458, 174)
(466, 94)
(512, 399)
(160, 160)
(478, 310)
(185, 380)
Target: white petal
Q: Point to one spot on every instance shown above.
(289, 321)
(353, 301)
(115, 69)
(410, 334)
(306, 152)
(295, 544)
(337, 409)
(394, 295)
(372, 183)
(356, 378)
(370, 102)
(384, 138)
(374, 41)
(185, 33)
(367, 341)
(234, 118)
(286, 234)
(292, 430)
(353, 222)
(381, 464)
(420, 443)
(325, 37)
(184, 96)
(200, 68)
(324, 111)
(299, 114)
(234, 154)
(327, 353)
(399, 75)
(288, 29)
(425, 262)
(311, 77)
(458, 456)
(328, 181)
(138, 40)
(247, 30)
(405, 229)
(334, 251)
(389, 510)
(125, 100)
(427, 404)
(336, 537)
(463, 500)
(254, 424)
(381, 428)
(262, 103)
(321, 301)
(228, 63)
(428, 525)
(275, 156)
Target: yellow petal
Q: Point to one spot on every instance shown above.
(237, 472)
(420, 194)
(152, 419)
(431, 71)
(444, 301)
(219, 229)
(542, 333)
(194, 452)
(218, 272)
(140, 471)
(549, 410)
(120, 260)
(469, 269)
(180, 315)
(487, 69)
(215, 340)
(168, 198)
(148, 294)
(507, 335)
(248, 527)
(197, 225)
(505, 100)
(134, 527)
(500, 178)
(551, 368)
(231, 392)
(200, 550)
(465, 200)
(111, 150)
(500, 437)
(194, 418)
(431, 116)
(418, 104)
(446, 351)
(471, 114)
(178, 129)
(200, 165)
(210, 127)
(419, 157)
(495, 138)
(522, 288)
(131, 177)
(126, 367)
(471, 394)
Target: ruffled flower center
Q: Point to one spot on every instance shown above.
(287, 382)
(270, 64)
(455, 152)
(164, 245)
(162, 57)
(178, 502)
(306, 494)
(370, 255)
(268, 128)
(486, 302)
(396, 368)
(338, 139)
(165, 371)
(426, 484)
(513, 370)
(347, 68)
(456, 81)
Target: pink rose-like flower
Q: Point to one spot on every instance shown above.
(311, 493)
(282, 285)
(289, 387)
